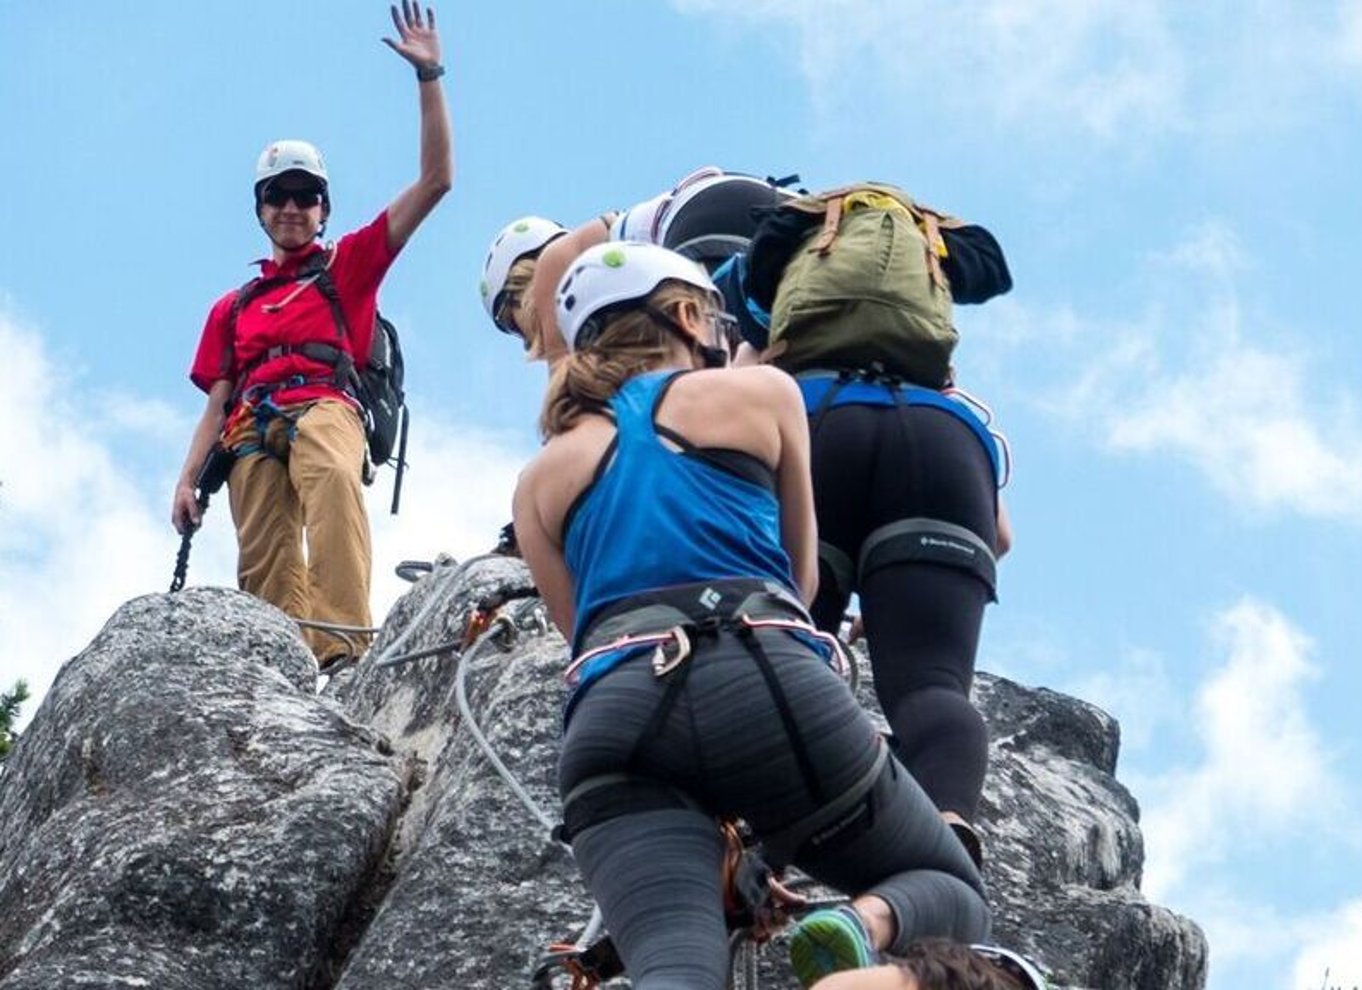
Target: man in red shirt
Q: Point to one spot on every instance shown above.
(296, 431)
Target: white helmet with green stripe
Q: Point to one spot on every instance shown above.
(618, 272)
(521, 238)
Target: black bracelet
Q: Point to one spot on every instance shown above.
(427, 73)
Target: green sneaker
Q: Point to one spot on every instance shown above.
(828, 941)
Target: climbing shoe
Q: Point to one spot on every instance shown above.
(828, 941)
(968, 836)
(335, 663)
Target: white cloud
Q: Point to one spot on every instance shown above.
(1082, 69)
(1243, 419)
(1193, 377)
(81, 531)
(1210, 248)
(1349, 46)
(455, 499)
(1332, 955)
(1107, 67)
(1263, 769)
(1137, 690)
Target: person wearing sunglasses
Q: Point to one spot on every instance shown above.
(506, 275)
(668, 524)
(277, 358)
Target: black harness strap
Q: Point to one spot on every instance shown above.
(313, 270)
(676, 680)
(824, 404)
(784, 846)
(752, 641)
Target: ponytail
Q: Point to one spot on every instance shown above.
(631, 343)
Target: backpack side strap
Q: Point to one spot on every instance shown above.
(831, 220)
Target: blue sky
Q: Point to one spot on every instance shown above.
(1176, 367)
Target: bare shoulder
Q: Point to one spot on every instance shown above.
(759, 379)
(775, 385)
(551, 457)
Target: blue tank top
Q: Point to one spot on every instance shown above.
(655, 517)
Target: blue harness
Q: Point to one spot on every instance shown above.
(824, 390)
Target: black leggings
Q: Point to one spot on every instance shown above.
(654, 868)
(874, 465)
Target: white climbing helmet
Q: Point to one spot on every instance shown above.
(639, 222)
(710, 214)
(643, 221)
(290, 156)
(617, 272)
(518, 239)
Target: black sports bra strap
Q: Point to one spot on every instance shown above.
(674, 437)
(747, 466)
(601, 466)
(662, 394)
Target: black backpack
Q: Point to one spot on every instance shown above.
(378, 388)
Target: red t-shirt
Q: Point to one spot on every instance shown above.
(362, 259)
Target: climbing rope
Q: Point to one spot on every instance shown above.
(346, 634)
(505, 627)
(436, 595)
(478, 621)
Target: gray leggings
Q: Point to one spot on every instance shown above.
(655, 870)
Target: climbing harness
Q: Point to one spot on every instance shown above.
(376, 388)
(664, 628)
(825, 388)
(212, 476)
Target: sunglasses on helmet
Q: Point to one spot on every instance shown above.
(304, 199)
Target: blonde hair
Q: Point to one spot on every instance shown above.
(632, 342)
(518, 284)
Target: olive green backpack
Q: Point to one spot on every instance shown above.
(866, 288)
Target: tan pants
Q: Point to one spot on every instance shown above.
(302, 532)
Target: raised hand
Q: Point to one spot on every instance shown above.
(418, 42)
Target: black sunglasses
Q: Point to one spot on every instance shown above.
(304, 199)
(502, 315)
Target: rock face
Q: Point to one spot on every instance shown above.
(183, 812)
(186, 812)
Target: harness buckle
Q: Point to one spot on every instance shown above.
(671, 652)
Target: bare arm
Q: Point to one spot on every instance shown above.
(552, 265)
(543, 557)
(419, 44)
(1004, 528)
(798, 529)
(184, 510)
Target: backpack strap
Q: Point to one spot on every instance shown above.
(831, 220)
(315, 270)
(346, 377)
